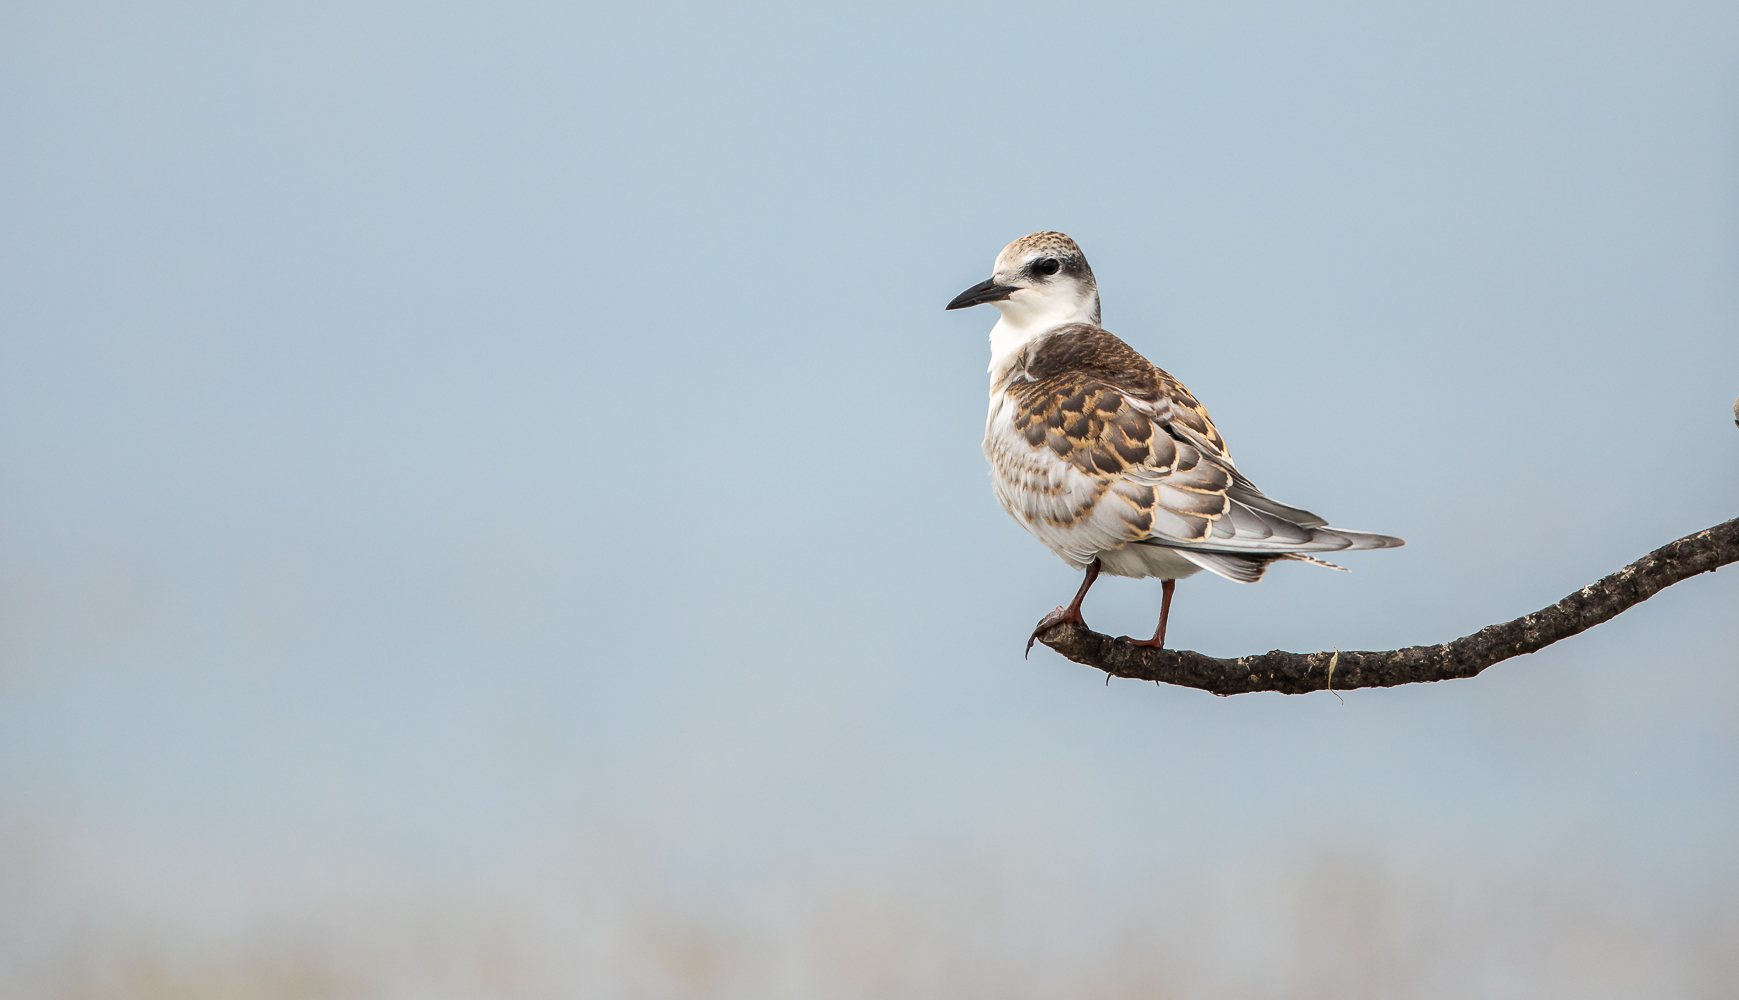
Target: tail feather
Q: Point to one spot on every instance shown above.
(1238, 569)
(1248, 566)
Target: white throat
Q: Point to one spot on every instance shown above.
(1027, 316)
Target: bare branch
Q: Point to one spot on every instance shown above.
(1296, 673)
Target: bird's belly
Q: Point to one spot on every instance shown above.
(1145, 561)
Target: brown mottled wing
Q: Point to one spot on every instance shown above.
(1157, 468)
(1158, 484)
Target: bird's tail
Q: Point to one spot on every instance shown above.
(1242, 567)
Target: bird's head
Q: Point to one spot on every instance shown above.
(1039, 282)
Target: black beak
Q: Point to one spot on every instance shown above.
(985, 291)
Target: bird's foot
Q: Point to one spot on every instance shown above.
(1061, 616)
(1144, 643)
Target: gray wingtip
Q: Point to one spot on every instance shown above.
(1368, 540)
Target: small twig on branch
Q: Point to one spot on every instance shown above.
(1296, 673)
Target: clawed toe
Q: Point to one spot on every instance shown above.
(1057, 617)
(1072, 613)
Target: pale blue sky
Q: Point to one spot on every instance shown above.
(445, 435)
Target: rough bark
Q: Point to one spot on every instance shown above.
(1296, 673)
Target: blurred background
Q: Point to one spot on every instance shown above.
(492, 503)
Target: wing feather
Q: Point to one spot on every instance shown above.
(1094, 448)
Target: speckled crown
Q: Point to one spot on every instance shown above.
(1038, 243)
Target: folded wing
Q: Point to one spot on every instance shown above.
(1106, 465)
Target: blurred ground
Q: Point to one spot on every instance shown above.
(1326, 921)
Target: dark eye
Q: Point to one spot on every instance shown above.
(1050, 265)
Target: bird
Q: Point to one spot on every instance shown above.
(1106, 458)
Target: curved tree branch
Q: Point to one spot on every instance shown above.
(1296, 673)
